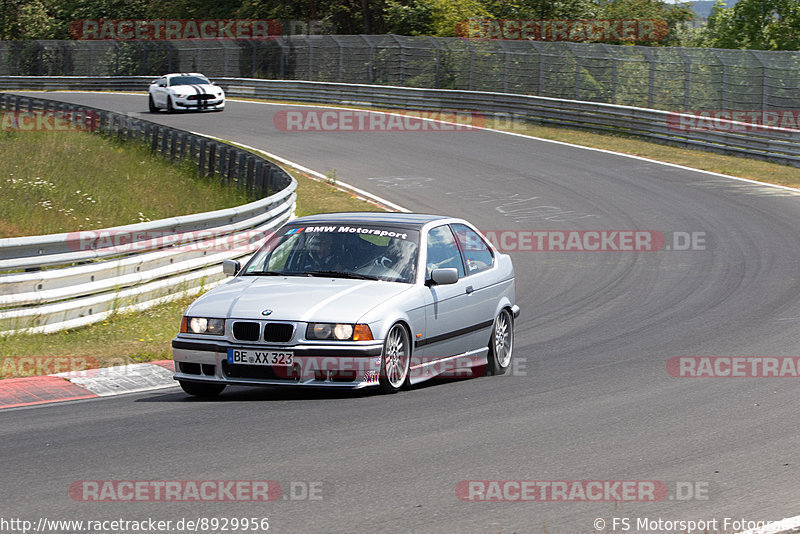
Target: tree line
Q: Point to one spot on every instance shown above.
(755, 24)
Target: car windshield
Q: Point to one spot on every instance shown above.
(369, 252)
(188, 80)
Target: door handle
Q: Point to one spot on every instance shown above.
(469, 290)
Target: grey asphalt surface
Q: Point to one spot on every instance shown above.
(591, 398)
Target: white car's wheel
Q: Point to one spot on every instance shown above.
(152, 105)
(501, 344)
(396, 359)
(170, 109)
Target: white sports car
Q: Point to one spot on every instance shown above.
(184, 91)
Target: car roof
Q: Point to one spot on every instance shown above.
(407, 220)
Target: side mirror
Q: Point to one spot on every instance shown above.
(162, 84)
(444, 276)
(231, 267)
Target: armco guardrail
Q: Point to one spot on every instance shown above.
(88, 275)
(780, 145)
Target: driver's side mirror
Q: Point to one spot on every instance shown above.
(231, 267)
(444, 276)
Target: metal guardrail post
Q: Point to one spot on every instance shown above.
(724, 91)
(687, 79)
(764, 85)
(651, 81)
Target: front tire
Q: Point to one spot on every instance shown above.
(170, 109)
(501, 344)
(198, 389)
(151, 104)
(396, 360)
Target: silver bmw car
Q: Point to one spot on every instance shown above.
(353, 300)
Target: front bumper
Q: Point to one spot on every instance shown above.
(212, 104)
(346, 365)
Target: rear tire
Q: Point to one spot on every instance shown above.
(151, 104)
(396, 360)
(501, 344)
(198, 389)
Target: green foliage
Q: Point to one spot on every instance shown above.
(31, 19)
(674, 15)
(754, 24)
(409, 18)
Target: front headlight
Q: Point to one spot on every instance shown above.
(338, 331)
(203, 325)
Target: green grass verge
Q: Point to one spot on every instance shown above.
(53, 182)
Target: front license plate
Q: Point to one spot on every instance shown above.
(261, 357)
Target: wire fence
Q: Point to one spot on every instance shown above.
(659, 78)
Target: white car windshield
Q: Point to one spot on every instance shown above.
(188, 80)
(339, 250)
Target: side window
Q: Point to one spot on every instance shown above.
(477, 254)
(443, 251)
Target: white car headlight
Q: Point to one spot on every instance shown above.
(338, 331)
(203, 325)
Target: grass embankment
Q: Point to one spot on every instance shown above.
(62, 182)
(136, 337)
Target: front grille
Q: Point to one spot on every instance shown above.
(278, 332)
(246, 331)
(200, 97)
(263, 372)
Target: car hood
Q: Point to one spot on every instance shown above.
(196, 88)
(295, 298)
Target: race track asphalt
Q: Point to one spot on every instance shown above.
(590, 399)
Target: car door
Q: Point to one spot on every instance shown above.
(160, 92)
(445, 305)
(483, 285)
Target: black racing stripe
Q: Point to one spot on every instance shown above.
(454, 333)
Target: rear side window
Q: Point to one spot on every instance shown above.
(477, 255)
